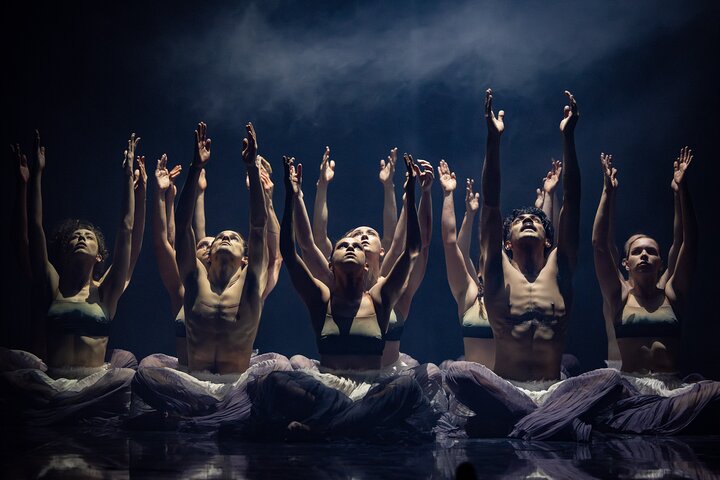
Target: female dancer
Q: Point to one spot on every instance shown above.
(349, 322)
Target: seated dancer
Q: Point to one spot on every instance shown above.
(164, 242)
(647, 317)
(344, 397)
(463, 280)
(381, 254)
(222, 303)
(74, 382)
(528, 295)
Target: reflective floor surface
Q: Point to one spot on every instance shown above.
(73, 453)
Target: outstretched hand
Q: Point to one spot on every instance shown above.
(387, 169)
(40, 152)
(680, 166)
(250, 145)
(552, 179)
(327, 168)
(609, 172)
(448, 182)
(472, 199)
(202, 145)
(570, 115)
(539, 198)
(140, 176)
(495, 126)
(23, 171)
(292, 177)
(129, 154)
(427, 175)
(412, 172)
(164, 178)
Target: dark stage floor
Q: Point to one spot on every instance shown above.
(71, 453)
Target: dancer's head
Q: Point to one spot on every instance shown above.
(76, 240)
(527, 226)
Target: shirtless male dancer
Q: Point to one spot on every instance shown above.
(528, 297)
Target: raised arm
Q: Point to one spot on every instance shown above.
(272, 234)
(20, 210)
(320, 210)
(602, 241)
(313, 292)
(417, 271)
(114, 284)
(199, 217)
(426, 177)
(458, 277)
(170, 195)
(569, 222)
(550, 183)
(679, 284)
(256, 277)
(164, 252)
(138, 233)
(43, 272)
(464, 236)
(491, 229)
(185, 241)
(677, 235)
(388, 292)
(315, 260)
(387, 170)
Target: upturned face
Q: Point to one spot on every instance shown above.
(369, 239)
(348, 252)
(227, 242)
(202, 250)
(527, 226)
(83, 241)
(643, 257)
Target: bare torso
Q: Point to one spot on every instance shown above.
(220, 335)
(68, 349)
(528, 318)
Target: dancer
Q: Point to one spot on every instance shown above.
(647, 315)
(82, 302)
(462, 277)
(380, 257)
(349, 322)
(222, 303)
(528, 296)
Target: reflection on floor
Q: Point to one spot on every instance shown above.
(87, 453)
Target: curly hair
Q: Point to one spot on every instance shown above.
(547, 225)
(59, 242)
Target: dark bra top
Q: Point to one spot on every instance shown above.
(359, 336)
(396, 326)
(636, 322)
(66, 319)
(475, 323)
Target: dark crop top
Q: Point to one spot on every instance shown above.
(74, 318)
(475, 323)
(636, 321)
(359, 336)
(396, 325)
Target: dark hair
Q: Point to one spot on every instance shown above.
(547, 225)
(60, 241)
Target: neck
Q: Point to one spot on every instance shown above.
(645, 286)
(373, 273)
(349, 287)
(221, 273)
(528, 260)
(76, 275)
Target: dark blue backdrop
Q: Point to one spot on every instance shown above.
(363, 77)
